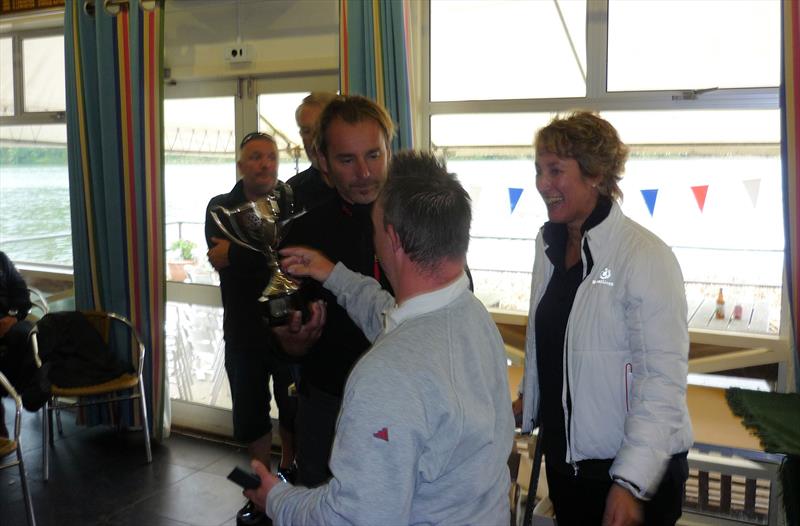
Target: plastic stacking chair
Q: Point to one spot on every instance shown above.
(8, 446)
(127, 386)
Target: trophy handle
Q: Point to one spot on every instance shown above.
(283, 222)
(213, 212)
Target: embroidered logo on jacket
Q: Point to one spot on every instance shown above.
(605, 278)
(383, 434)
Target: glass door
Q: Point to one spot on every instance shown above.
(200, 131)
(203, 124)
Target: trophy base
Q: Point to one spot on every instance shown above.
(277, 310)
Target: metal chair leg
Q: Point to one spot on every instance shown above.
(58, 418)
(145, 421)
(26, 492)
(47, 439)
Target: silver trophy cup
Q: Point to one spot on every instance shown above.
(256, 225)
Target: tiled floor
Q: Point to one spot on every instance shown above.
(99, 477)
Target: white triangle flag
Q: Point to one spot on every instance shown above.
(752, 186)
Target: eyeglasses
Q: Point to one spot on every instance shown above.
(255, 135)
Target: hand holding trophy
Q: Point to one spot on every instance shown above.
(259, 225)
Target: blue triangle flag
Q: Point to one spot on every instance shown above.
(513, 195)
(650, 198)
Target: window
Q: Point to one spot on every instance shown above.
(34, 182)
(704, 172)
(708, 183)
(200, 162)
(472, 43)
(731, 45)
(43, 79)
(34, 187)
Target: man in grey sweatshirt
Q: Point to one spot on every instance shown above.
(425, 427)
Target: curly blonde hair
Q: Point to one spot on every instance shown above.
(593, 142)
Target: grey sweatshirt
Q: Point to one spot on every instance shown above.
(426, 426)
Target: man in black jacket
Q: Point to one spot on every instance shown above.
(310, 188)
(353, 145)
(250, 357)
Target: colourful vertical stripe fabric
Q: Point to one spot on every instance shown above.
(373, 58)
(790, 151)
(153, 31)
(115, 127)
(77, 131)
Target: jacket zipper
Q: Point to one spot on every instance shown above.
(628, 381)
(568, 407)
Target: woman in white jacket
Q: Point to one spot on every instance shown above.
(607, 341)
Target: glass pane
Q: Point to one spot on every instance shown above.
(697, 127)
(489, 49)
(200, 147)
(707, 183)
(717, 203)
(195, 355)
(6, 78)
(492, 156)
(276, 117)
(43, 77)
(657, 44)
(485, 129)
(34, 194)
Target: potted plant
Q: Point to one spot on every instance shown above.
(181, 255)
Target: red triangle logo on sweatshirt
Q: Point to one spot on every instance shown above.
(383, 434)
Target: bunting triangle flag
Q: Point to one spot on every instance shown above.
(513, 196)
(700, 195)
(752, 186)
(650, 197)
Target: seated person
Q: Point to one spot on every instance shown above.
(16, 359)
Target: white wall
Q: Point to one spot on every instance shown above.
(284, 36)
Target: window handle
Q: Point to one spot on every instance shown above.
(692, 94)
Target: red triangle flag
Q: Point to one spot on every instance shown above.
(700, 195)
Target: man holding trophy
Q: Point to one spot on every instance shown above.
(353, 144)
(242, 229)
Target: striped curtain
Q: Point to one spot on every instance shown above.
(116, 163)
(790, 152)
(374, 58)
